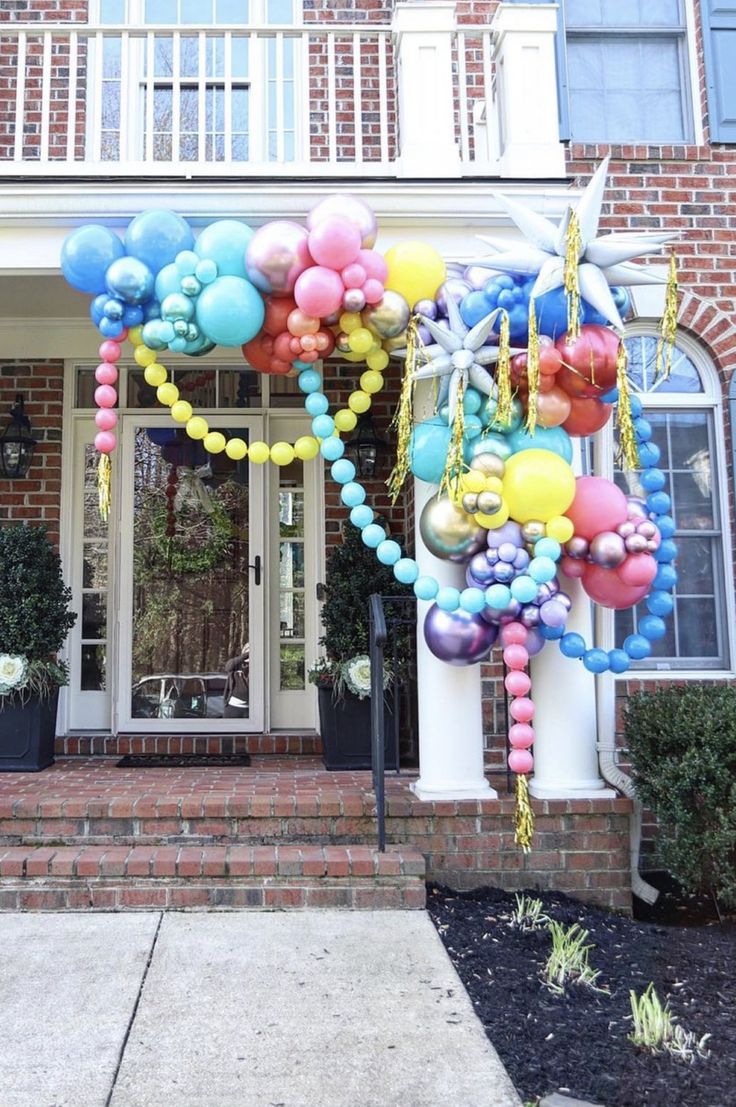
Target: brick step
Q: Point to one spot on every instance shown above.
(307, 744)
(118, 878)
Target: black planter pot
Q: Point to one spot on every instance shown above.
(27, 733)
(345, 726)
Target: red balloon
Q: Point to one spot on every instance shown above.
(573, 566)
(282, 347)
(637, 569)
(592, 358)
(277, 314)
(256, 355)
(553, 407)
(586, 416)
(606, 588)
(598, 505)
(550, 361)
(279, 368)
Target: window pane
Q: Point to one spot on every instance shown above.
(292, 668)
(94, 567)
(94, 615)
(240, 56)
(189, 56)
(697, 628)
(280, 11)
(689, 442)
(160, 11)
(195, 11)
(695, 566)
(232, 11)
(292, 614)
(623, 13)
(93, 668)
(112, 11)
(291, 514)
(111, 48)
(291, 565)
(86, 385)
(239, 388)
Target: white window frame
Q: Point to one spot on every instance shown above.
(709, 400)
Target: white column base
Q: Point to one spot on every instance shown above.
(464, 790)
(586, 789)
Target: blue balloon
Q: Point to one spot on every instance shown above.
(406, 570)
(652, 627)
(660, 603)
(595, 661)
(111, 328)
(643, 429)
(131, 280)
(388, 552)
(649, 454)
(473, 426)
(230, 311)
(343, 471)
(665, 580)
(97, 308)
(666, 525)
(618, 661)
(637, 647)
(550, 633)
(498, 597)
(332, 448)
(472, 401)
(653, 480)
(524, 589)
(361, 516)
(132, 316)
(472, 600)
(448, 598)
(155, 237)
(473, 307)
(87, 254)
(548, 547)
(152, 336)
(572, 645)
(225, 243)
(659, 503)
(309, 380)
(428, 448)
(316, 404)
(373, 534)
(198, 347)
(636, 406)
(168, 281)
(426, 588)
(323, 426)
(667, 551)
(542, 569)
(554, 439)
(352, 494)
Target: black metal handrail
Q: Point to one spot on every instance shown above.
(379, 634)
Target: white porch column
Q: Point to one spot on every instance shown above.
(449, 697)
(423, 33)
(526, 67)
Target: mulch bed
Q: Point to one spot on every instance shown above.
(577, 1044)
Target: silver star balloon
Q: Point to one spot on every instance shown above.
(459, 355)
(604, 260)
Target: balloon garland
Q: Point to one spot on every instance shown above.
(522, 359)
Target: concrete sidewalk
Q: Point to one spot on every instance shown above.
(251, 1009)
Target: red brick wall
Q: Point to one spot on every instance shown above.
(37, 498)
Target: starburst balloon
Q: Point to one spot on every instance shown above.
(602, 260)
(459, 355)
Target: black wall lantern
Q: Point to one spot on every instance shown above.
(16, 443)
(364, 447)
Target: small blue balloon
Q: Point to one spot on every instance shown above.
(426, 588)
(428, 448)
(406, 570)
(666, 552)
(542, 569)
(472, 400)
(352, 494)
(636, 406)
(474, 306)
(373, 535)
(618, 661)
(472, 600)
(660, 603)
(155, 237)
(167, 283)
(652, 627)
(666, 579)
(642, 429)
(554, 439)
(666, 526)
(448, 599)
(111, 328)
(572, 645)
(206, 271)
(550, 633)
(388, 552)
(309, 380)
(114, 309)
(361, 516)
(524, 589)
(331, 448)
(323, 426)
(473, 426)
(653, 480)
(132, 316)
(225, 242)
(86, 256)
(317, 404)
(151, 335)
(178, 345)
(637, 647)
(609, 397)
(649, 454)
(186, 262)
(659, 503)
(548, 547)
(596, 661)
(97, 307)
(498, 597)
(343, 471)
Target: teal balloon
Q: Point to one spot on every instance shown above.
(230, 311)
(168, 282)
(492, 443)
(554, 439)
(152, 337)
(155, 237)
(428, 448)
(225, 243)
(177, 306)
(198, 347)
(86, 255)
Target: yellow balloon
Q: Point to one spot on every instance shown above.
(537, 484)
(167, 394)
(493, 484)
(236, 449)
(416, 270)
(473, 482)
(378, 361)
(197, 427)
(258, 452)
(360, 340)
(371, 381)
(359, 402)
(306, 447)
(491, 522)
(182, 411)
(154, 375)
(560, 528)
(282, 453)
(345, 420)
(135, 334)
(350, 321)
(144, 355)
(215, 442)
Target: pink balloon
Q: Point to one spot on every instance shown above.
(299, 324)
(105, 396)
(318, 291)
(514, 634)
(517, 683)
(374, 264)
(573, 566)
(373, 291)
(354, 276)
(521, 761)
(334, 242)
(106, 418)
(521, 710)
(106, 373)
(606, 588)
(637, 570)
(598, 505)
(521, 736)
(308, 355)
(105, 442)
(109, 350)
(515, 656)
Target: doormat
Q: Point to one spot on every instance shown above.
(185, 761)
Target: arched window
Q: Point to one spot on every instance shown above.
(686, 414)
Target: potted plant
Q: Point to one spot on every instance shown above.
(342, 675)
(34, 622)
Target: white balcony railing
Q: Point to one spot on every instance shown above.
(418, 98)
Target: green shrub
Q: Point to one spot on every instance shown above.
(682, 743)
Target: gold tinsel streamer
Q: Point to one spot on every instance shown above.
(668, 324)
(573, 245)
(103, 485)
(532, 369)
(455, 462)
(523, 815)
(403, 419)
(628, 449)
(503, 374)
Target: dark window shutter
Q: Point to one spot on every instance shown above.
(719, 47)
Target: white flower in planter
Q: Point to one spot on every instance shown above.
(356, 674)
(13, 672)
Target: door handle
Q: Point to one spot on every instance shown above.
(256, 567)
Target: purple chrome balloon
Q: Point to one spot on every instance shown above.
(564, 599)
(350, 208)
(553, 613)
(535, 643)
(509, 532)
(530, 615)
(507, 552)
(458, 637)
(481, 570)
(476, 276)
(455, 287)
(607, 549)
(426, 307)
(277, 255)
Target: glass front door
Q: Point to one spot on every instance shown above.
(192, 581)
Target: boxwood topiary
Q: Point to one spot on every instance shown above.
(682, 743)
